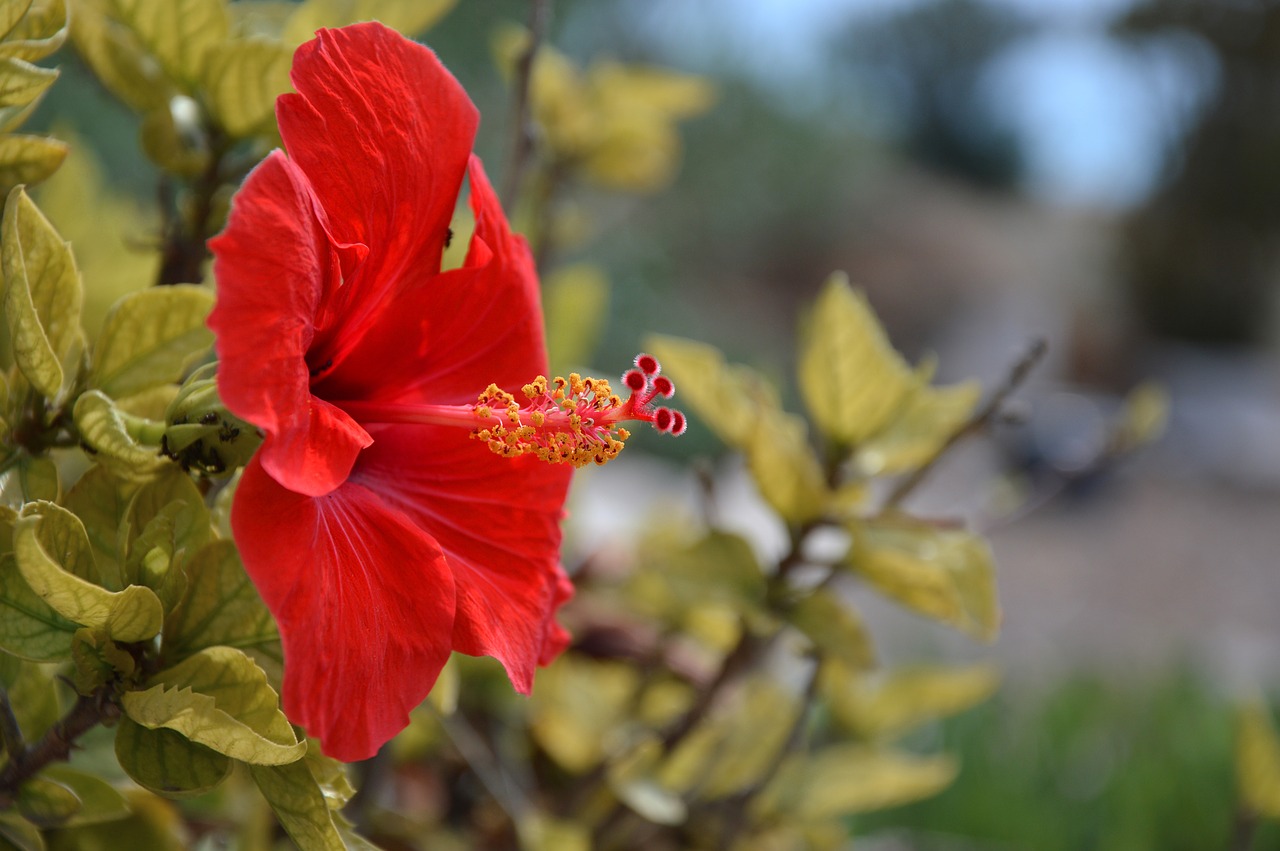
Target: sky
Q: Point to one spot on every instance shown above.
(1095, 115)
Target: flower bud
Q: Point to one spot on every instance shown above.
(201, 434)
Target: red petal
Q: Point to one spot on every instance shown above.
(453, 334)
(273, 263)
(364, 602)
(383, 131)
(498, 522)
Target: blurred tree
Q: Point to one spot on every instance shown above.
(928, 64)
(1200, 257)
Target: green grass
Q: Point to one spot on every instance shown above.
(1089, 766)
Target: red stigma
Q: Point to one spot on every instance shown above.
(646, 385)
(678, 423)
(648, 364)
(662, 419)
(635, 380)
(664, 386)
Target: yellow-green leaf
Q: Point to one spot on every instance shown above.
(178, 33)
(243, 79)
(40, 31)
(733, 748)
(221, 607)
(29, 629)
(42, 295)
(53, 554)
(1258, 760)
(727, 398)
(10, 13)
(166, 762)
(579, 710)
(785, 468)
(220, 699)
(149, 337)
(851, 378)
(540, 832)
(299, 804)
(885, 706)
(21, 82)
(720, 568)
(100, 801)
(410, 17)
(103, 429)
(114, 54)
(945, 574)
(20, 834)
(575, 302)
(835, 628)
(46, 803)
(32, 695)
(100, 502)
(845, 779)
(926, 420)
(28, 159)
(38, 478)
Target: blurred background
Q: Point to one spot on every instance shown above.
(1102, 174)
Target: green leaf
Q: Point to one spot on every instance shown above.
(851, 379)
(243, 78)
(219, 698)
(168, 763)
(38, 478)
(103, 429)
(100, 801)
(31, 694)
(28, 159)
(149, 337)
(727, 398)
(784, 467)
(53, 554)
(98, 661)
(575, 300)
(221, 607)
(46, 803)
(888, 705)
(29, 629)
(114, 54)
(42, 295)
(944, 574)
(178, 33)
(299, 804)
(1258, 760)
(408, 16)
(845, 779)
(927, 420)
(41, 31)
(21, 82)
(835, 628)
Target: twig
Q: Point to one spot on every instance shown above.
(522, 143)
(56, 744)
(184, 251)
(979, 421)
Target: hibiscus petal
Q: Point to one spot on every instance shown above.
(384, 132)
(364, 602)
(498, 522)
(453, 334)
(273, 262)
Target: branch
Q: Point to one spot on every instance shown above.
(9, 729)
(522, 144)
(56, 744)
(977, 423)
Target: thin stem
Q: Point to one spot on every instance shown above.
(184, 250)
(522, 142)
(56, 744)
(978, 422)
(485, 763)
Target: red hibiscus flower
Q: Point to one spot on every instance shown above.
(380, 535)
